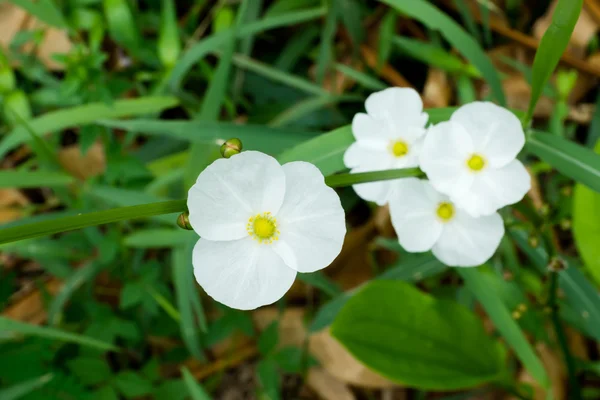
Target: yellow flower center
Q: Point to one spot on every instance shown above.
(399, 148)
(476, 163)
(445, 211)
(263, 228)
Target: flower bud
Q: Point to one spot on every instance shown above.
(183, 221)
(231, 147)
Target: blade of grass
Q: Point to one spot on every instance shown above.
(353, 179)
(552, 46)
(468, 19)
(196, 391)
(435, 19)
(362, 78)
(325, 56)
(33, 179)
(86, 114)
(308, 106)
(22, 328)
(22, 389)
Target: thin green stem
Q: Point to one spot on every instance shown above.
(375, 176)
(45, 228)
(574, 390)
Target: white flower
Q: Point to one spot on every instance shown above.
(389, 136)
(472, 158)
(425, 219)
(260, 223)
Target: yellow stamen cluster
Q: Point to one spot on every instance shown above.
(445, 211)
(263, 228)
(399, 148)
(476, 163)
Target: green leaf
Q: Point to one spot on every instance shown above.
(362, 177)
(131, 295)
(573, 160)
(308, 106)
(132, 385)
(320, 281)
(325, 56)
(435, 19)
(268, 377)
(121, 24)
(33, 179)
(22, 389)
(414, 269)
(434, 55)
(586, 225)
(361, 78)
(552, 46)
(63, 224)
(327, 313)
(195, 390)
(90, 371)
(267, 341)
(44, 10)
(8, 325)
(387, 29)
(215, 42)
(169, 44)
(441, 344)
(505, 323)
(58, 120)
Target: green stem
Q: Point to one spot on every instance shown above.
(45, 228)
(574, 390)
(33, 230)
(375, 176)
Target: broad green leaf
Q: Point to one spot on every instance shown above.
(194, 388)
(216, 42)
(8, 325)
(427, 343)
(505, 323)
(414, 269)
(33, 179)
(586, 225)
(121, 24)
(435, 19)
(268, 339)
(268, 377)
(132, 385)
(573, 160)
(553, 44)
(55, 121)
(22, 389)
(91, 371)
(320, 281)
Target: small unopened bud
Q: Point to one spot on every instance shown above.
(183, 221)
(231, 148)
(557, 264)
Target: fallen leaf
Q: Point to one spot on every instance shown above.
(30, 308)
(292, 330)
(11, 202)
(437, 91)
(518, 93)
(326, 386)
(83, 166)
(554, 366)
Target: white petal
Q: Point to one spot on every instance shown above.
(496, 132)
(368, 128)
(311, 220)
(443, 157)
(372, 155)
(494, 188)
(468, 242)
(413, 207)
(229, 191)
(401, 107)
(377, 192)
(241, 274)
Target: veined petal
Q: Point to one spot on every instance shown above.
(311, 220)
(370, 129)
(495, 188)
(413, 206)
(241, 274)
(229, 191)
(443, 158)
(400, 107)
(468, 242)
(495, 131)
(367, 154)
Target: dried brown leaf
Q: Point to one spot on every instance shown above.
(328, 387)
(83, 166)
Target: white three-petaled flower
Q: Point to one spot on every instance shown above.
(425, 219)
(472, 158)
(260, 223)
(389, 136)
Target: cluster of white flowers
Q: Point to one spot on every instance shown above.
(260, 222)
(471, 166)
